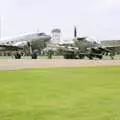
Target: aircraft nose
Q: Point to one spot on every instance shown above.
(49, 37)
(46, 38)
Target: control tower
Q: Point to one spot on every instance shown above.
(56, 34)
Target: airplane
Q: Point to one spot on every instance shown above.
(85, 47)
(19, 42)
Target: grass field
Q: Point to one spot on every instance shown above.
(60, 94)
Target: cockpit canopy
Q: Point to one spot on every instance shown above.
(81, 38)
(41, 34)
(93, 40)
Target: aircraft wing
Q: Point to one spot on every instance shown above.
(113, 48)
(9, 47)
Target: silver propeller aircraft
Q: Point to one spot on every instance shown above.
(21, 41)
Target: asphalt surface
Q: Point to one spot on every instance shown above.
(13, 64)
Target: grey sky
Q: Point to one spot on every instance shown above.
(98, 18)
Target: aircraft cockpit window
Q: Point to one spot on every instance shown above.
(41, 34)
(93, 40)
(81, 39)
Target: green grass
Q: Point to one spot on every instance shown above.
(60, 94)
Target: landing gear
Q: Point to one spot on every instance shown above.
(81, 56)
(34, 55)
(17, 55)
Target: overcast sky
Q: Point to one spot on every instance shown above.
(97, 18)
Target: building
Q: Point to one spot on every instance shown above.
(56, 36)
